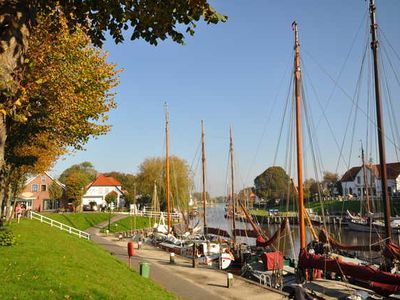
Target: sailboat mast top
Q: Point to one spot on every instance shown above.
(167, 168)
(379, 118)
(232, 187)
(203, 164)
(297, 77)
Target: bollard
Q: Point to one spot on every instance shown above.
(172, 258)
(229, 280)
(194, 256)
(107, 231)
(139, 245)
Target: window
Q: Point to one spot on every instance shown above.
(358, 179)
(43, 188)
(35, 187)
(43, 178)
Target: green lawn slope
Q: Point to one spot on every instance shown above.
(51, 264)
(130, 223)
(80, 221)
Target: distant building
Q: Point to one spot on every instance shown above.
(35, 194)
(97, 190)
(353, 180)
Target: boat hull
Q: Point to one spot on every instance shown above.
(378, 228)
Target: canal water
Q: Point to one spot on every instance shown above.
(216, 218)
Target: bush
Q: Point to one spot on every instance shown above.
(7, 237)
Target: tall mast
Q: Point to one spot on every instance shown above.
(167, 168)
(203, 165)
(297, 78)
(232, 187)
(379, 118)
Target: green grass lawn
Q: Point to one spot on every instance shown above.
(130, 223)
(51, 264)
(81, 221)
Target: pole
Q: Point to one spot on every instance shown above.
(134, 202)
(365, 181)
(203, 160)
(167, 167)
(379, 118)
(297, 77)
(109, 217)
(232, 187)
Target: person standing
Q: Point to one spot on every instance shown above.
(18, 212)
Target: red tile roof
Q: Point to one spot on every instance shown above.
(103, 180)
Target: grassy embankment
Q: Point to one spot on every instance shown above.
(331, 206)
(50, 264)
(80, 221)
(130, 223)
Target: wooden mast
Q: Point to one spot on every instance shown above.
(232, 187)
(365, 178)
(297, 78)
(379, 118)
(168, 192)
(203, 165)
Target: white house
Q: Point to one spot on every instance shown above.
(97, 190)
(353, 182)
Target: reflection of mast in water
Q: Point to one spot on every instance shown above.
(232, 187)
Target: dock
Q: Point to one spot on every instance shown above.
(181, 278)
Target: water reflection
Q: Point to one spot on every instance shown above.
(215, 218)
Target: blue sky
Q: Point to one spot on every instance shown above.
(238, 73)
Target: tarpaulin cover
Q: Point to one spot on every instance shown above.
(273, 260)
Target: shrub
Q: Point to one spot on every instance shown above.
(7, 237)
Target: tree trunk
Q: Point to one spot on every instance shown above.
(15, 25)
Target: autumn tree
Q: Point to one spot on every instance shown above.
(273, 183)
(64, 98)
(152, 21)
(311, 188)
(75, 189)
(330, 183)
(56, 192)
(152, 170)
(86, 169)
(111, 197)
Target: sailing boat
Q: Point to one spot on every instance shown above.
(159, 227)
(384, 283)
(367, 224)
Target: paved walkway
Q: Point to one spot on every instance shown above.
(180, 278)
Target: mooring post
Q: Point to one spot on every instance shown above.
(194, 255)
(172, 258)
(229, 280)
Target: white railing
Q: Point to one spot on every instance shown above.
(59, 225)
(150, 214)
